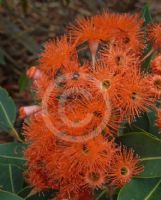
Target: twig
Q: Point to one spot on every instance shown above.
(111, 191)
(147, 55)
(16, 135)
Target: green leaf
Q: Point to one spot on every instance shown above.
(144, 123)
(152, 167)
(153, 129)
(148, 148)
(140, 123)
(31, 194)
(23, 82)
(9, 196)
(25, 191)
(7, 111)
(143, 143)
(146, 63)
(12, 178)
(144, 189)
(12, 153)
(146, 15)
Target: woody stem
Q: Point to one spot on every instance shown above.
(147, 55)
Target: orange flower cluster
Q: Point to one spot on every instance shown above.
(86, 84)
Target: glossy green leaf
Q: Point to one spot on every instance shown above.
(140, 123)
(143, 143)
(24, 192)
(148, 148)
(12, 153)
(153, 129)
(7, 111)
(146, 63)
(9, 196)
(146, 14)
(152, 167)
(30, 194)
(12, 178)
(144, 189)
(146, 122)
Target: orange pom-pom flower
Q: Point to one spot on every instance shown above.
(155, 35)
(124, 167)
